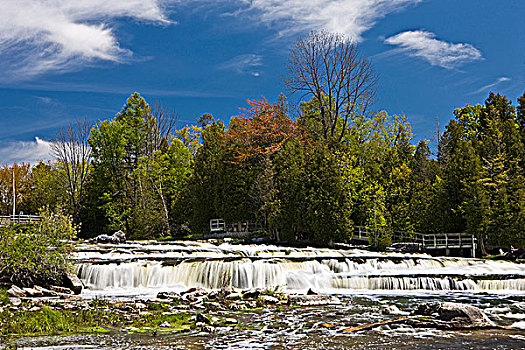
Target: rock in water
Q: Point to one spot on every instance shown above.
(446, 315)
(168, 295)
(116, 238)
(121, 236)
(312, 292)
(313, 300)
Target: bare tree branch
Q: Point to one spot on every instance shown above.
(73, 155)
(329, 68)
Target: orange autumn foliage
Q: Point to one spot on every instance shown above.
(262, 129)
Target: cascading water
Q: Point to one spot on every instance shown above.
(143, 266)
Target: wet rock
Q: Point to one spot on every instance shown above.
(194, 294)
(198, 305)
(16, 291)
(115, 238)
(50, 293)
(267, 299)
(168, 295)
(72, 282)
(312, 292)
(214, 306)
(208, 329)
(251, 294)
(213, 295)
(140, 306)
(234, 296)
(32, 292)
(121, 236)
(227, 290)
(194, 290)
(393, 310)
(230, 321)
(234, 307)
(202, 319)
(312, 300)
(447, 315)
(165, 324)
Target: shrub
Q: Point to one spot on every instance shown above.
(37, 253)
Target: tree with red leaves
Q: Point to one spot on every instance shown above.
(261, 130)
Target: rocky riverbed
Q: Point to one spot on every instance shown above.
(259, 319)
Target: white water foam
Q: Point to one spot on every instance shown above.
(140, 266)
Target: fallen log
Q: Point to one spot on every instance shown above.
(375, 324)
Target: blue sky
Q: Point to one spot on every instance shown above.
(63, 60)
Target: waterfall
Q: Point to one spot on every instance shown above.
(149, 265)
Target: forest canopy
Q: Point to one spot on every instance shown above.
(309, 172)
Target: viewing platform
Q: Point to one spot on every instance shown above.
(428, 241)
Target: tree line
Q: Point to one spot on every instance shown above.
(306, 172)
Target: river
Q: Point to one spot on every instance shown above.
(365, 282)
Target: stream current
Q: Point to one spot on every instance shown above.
(366, 283)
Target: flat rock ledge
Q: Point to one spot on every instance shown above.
(450, 316)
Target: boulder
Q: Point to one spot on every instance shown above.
(312, 292)
(168, 295)
(72, 282)
(121, 236)
(202, 319)
(393, 310)
(251, 294)
(312, 300)
(61, 290)
(16, 291)
(447, 315)
(34, 292)
(234, 296)
(115, 238)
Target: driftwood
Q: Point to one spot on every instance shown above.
(375, 324)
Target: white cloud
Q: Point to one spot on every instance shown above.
(26, 151)
(350, 17)
(244, 64)
(491, 85)
(38, 36)
(437, 52)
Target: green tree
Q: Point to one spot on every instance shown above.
(117, 148)
(161, 178)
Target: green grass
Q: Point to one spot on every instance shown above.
(47, 321)
(4, 297)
